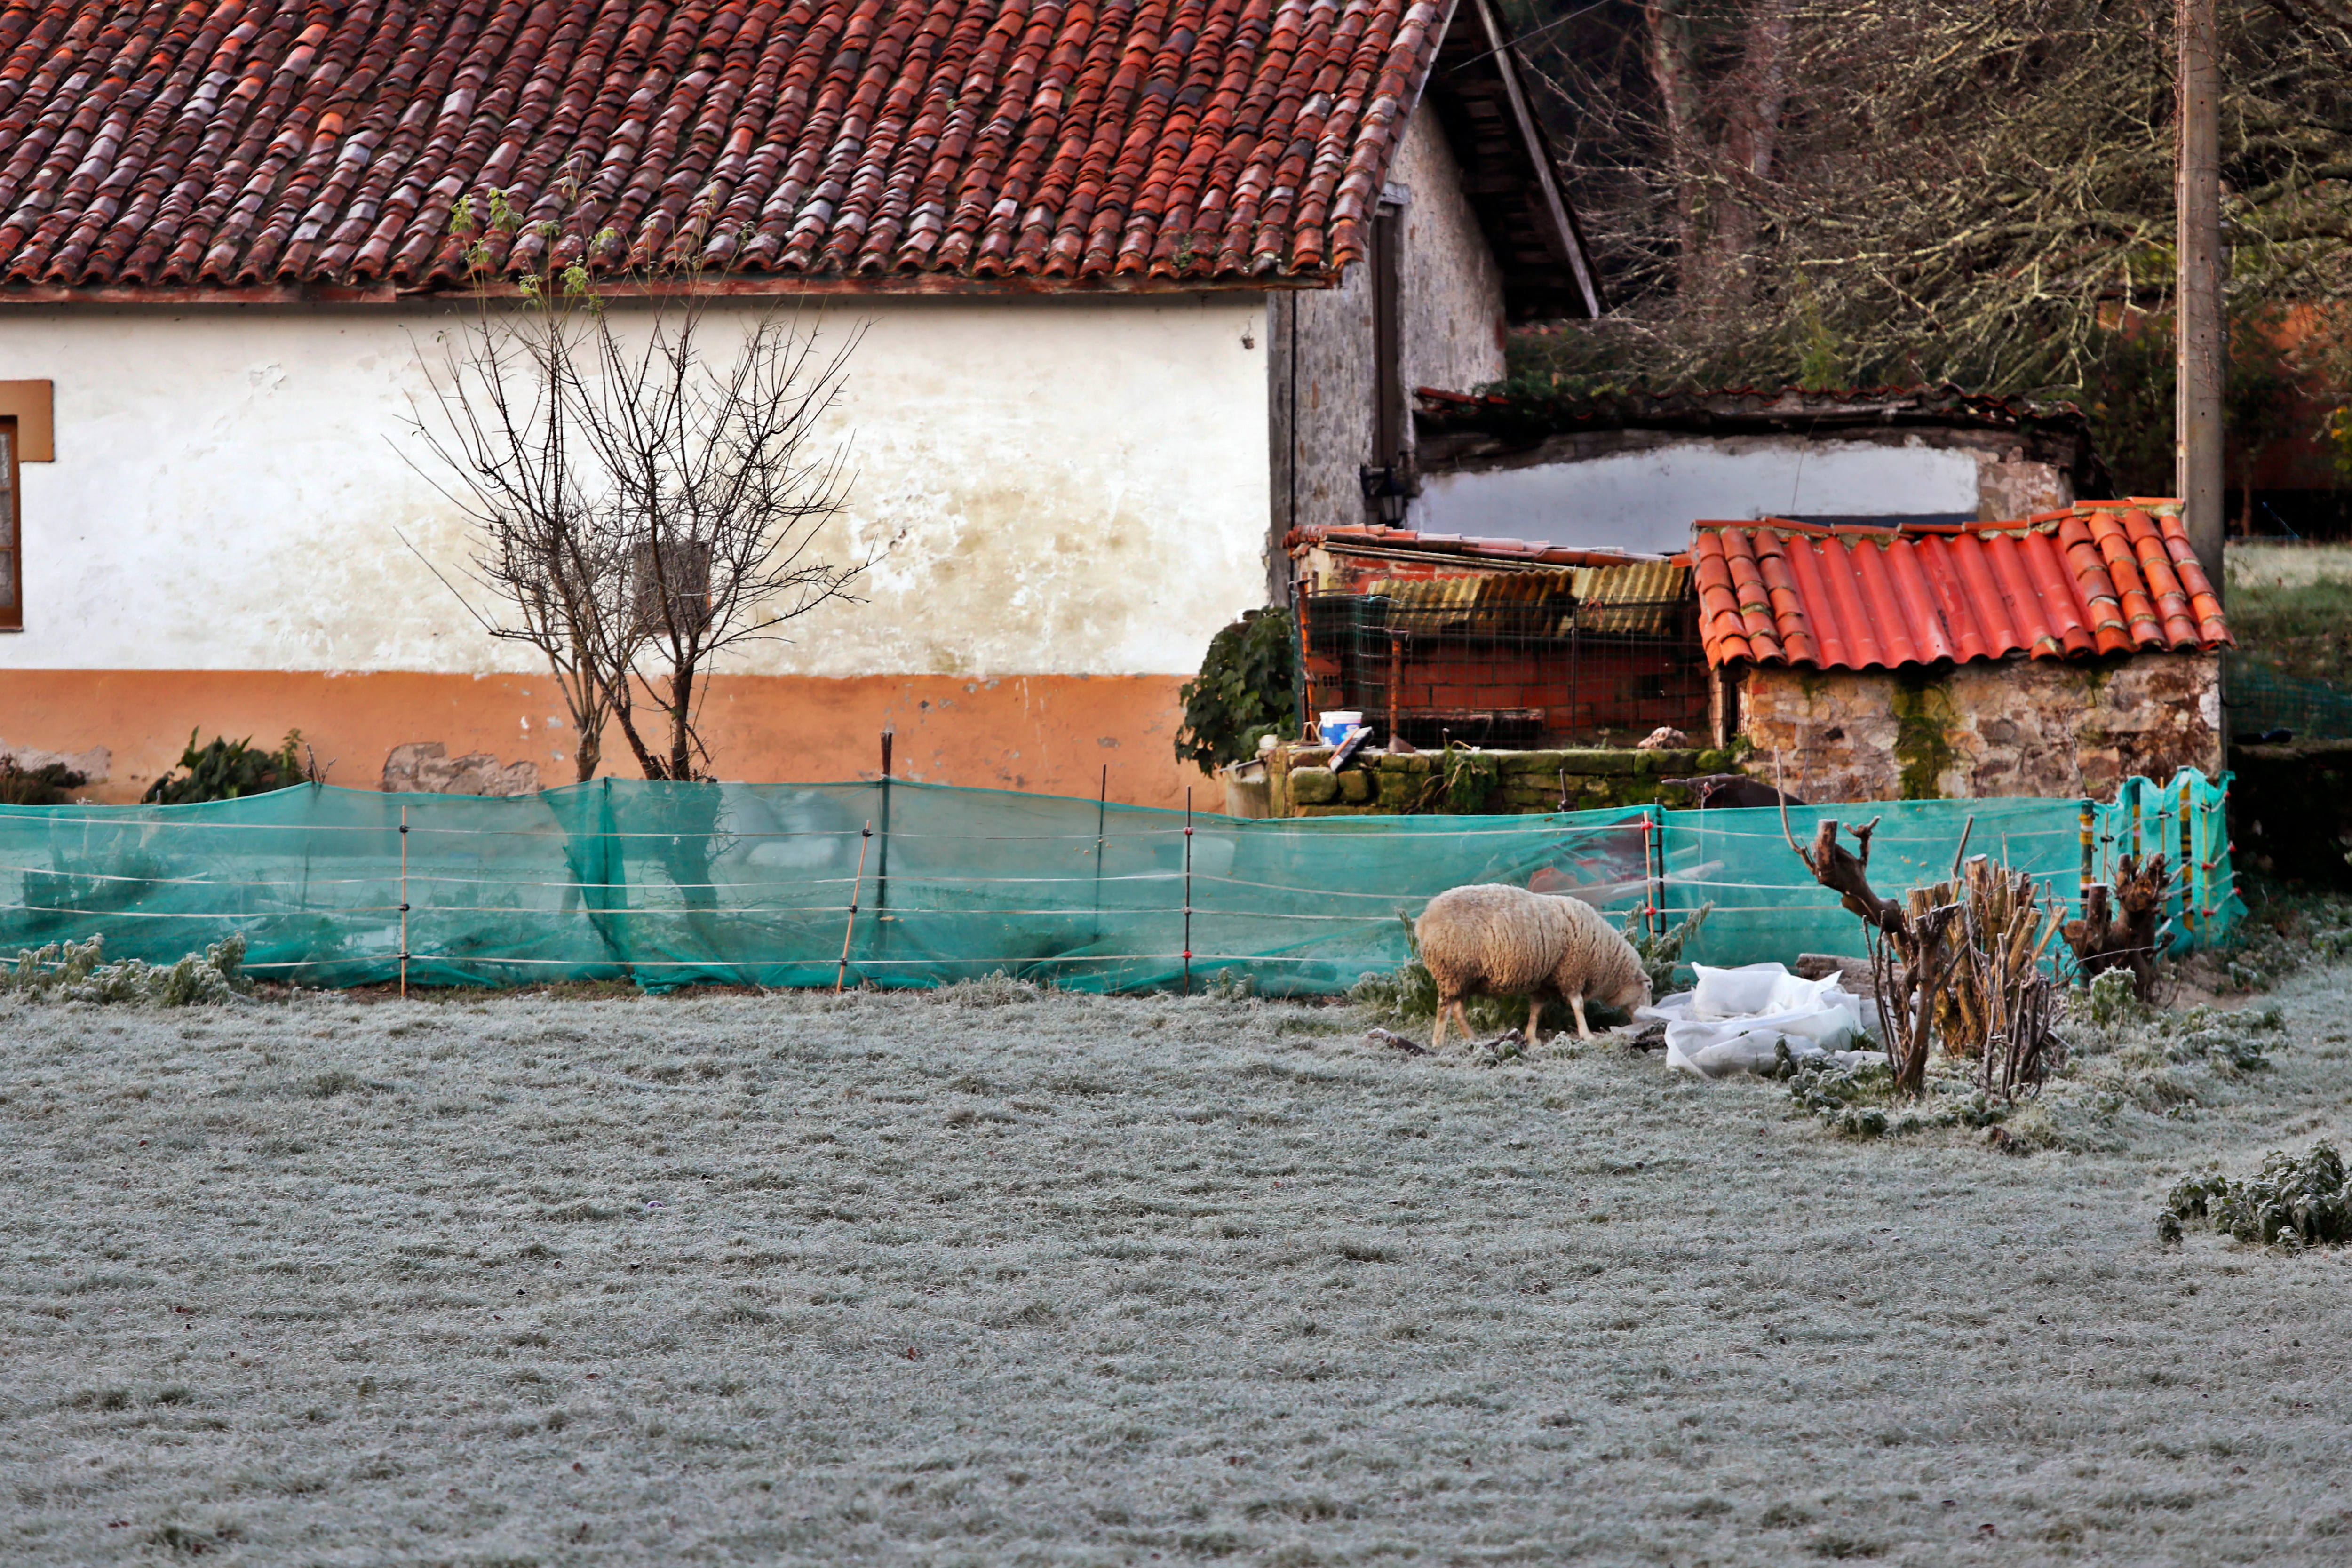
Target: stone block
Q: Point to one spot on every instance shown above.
(1313, 786)
(93, 765)
(1547, 762)
(1603, 764)
(1356, 786)
(426, 767)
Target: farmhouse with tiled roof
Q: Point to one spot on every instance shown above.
(1142, 288)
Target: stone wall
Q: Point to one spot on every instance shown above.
(1321, 399)
(2014, 727)
(1301, 782)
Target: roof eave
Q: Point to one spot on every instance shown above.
(1548, 270)
(722, 286)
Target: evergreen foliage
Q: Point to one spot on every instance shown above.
(228, 770)
(1245, 689)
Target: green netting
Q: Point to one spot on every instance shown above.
(753, 884)
(1765, 906)
(2186, 821)
(2259, 699)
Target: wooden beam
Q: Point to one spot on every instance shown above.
(2198, 324)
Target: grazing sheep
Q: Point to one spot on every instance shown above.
(1497, 940)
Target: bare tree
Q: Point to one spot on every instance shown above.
(640, 508)
(725, 481)
(550, 562)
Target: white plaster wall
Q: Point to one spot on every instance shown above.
(1647, 500)
(1074, 487)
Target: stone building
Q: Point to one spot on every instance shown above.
(2050, 657)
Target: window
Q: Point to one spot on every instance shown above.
(12, 566)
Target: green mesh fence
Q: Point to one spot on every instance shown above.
(2259, 699)
(754, 884)
(1766, 908)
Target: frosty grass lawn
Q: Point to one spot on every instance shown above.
(986, 1278)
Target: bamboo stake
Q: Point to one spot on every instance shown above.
(403, 903)
(1102, 812)
(1188, 889)
(840, 976)
(2188, 869)
(882, 871)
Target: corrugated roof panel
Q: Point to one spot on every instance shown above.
(2107, 578)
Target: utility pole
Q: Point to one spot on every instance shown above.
(2198, 320)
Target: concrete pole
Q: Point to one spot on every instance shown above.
(2198, 206)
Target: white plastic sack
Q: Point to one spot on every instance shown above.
(1735, 1020)
(1756, 989)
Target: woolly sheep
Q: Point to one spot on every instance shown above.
(1495, 940)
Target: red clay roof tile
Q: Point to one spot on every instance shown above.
(2107, 578)
(1173, 144)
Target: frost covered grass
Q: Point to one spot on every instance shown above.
(984, 1277)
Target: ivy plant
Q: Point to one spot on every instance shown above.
(1244, 690)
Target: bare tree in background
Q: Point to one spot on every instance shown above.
(1722, 131)
(1849, 192)
(724, 477)
(550, 558)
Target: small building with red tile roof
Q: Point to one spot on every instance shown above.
(2051, 656)
(1137, 288)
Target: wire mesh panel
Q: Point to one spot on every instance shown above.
(2262, 700)
(1518, 660)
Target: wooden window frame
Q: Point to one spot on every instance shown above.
(11, 611)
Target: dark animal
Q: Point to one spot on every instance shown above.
(1729, 790)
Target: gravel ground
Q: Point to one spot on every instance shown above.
(984, 1278)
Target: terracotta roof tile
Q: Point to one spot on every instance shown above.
(228, 144)
(2105, 577)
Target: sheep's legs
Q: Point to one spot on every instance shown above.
(1535, 1021)
(1437, 1034)
(1582, 1033)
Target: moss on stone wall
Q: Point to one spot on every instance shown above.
(1490, 782)
(1923, 732)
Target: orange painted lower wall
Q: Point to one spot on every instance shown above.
(1049, 734)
